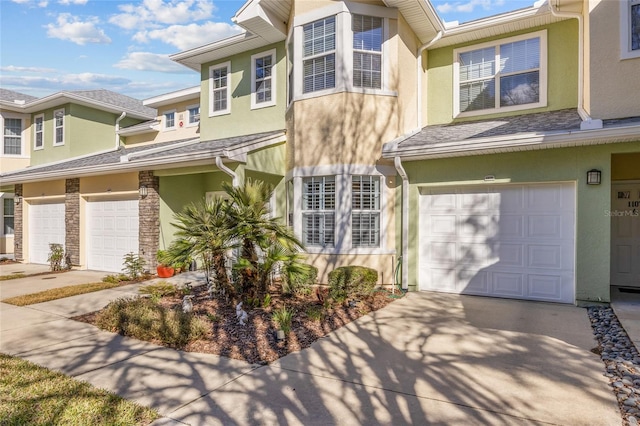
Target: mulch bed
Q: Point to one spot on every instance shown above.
(256, 342)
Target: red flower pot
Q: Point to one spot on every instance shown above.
(165, 271)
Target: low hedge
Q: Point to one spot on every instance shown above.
(349, 281)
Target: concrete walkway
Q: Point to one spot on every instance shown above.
(426, 359)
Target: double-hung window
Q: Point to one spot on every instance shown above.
(7, 215)
(629, 29)
(38, 141)
(507, 75)
(319, 52)
(12, 136)
(170, 120)
(263, 79)
(220, 89)
(319, 211)
(194, 115)
(365, 211)
(367, 51)
(58, 127)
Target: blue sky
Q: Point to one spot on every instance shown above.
(48, 46)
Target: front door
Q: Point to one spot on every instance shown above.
(625, 234)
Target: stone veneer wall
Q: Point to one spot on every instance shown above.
(17, 224)
(149, 211)
(72, 220)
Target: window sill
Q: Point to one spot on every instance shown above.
(327, 92)
(219, 113)
(58, 144)
(263, 105)
(351, 251)
(499, 110)
(629, 55)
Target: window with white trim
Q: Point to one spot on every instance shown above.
(194, 115)
(367, 51)
(12, 136)
(319, 51)
(170, 120)
(509, 74)
(220, 89)
(38, 140)
(365, 211)
(58, 127)
(318, 211)
(629, 29)
(263, 79)
(8, 215)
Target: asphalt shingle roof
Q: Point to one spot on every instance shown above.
(116, 99)
(10, 96)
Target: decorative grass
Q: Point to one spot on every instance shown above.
(11, 277)
(58, 293)
(32, 395)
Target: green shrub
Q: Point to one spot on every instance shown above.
(115, 278)
(283, 317)
(315, 313)
(159, 290)
(349, 281)
(142, 319)
(56, 257)
(298, 278)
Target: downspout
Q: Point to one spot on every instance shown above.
(234, 175)
(419, 74)
(405, 222)
(123, 115)
(588, 123)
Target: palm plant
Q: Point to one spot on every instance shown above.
(264, 241)
(203, 233)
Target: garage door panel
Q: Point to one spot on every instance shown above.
(46, 226)
(516, 242)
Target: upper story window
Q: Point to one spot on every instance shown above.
(219, 101)
(12, 136)
(319, 211)
(170, 120)
(367, 51)
(506, 75)
(7, 215)
(319, 64)
(38, 140)
(194, 114)
(58, 127)
(629, 29)
(263, 69)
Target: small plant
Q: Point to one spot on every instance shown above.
(133, 265)
(252, 302)
(283, 318)
(266, 301)
(158, 290)
(298, 277)
(315, 313)
(213, 317)
(115, 278)
(349, 281)
(186, 289)
(56, 257)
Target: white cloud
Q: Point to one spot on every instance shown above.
(469, 6)
(70, 2)
(153, 13)
(71, 28)
(64, 81)
(145, 61)
(188, 36)
(13, 68)
(42, 3)
(20, 1)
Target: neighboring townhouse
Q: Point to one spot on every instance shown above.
(500, 157)
(13, 156)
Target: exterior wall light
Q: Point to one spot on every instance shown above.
(594, 177)
(143, 191)
(17, 199)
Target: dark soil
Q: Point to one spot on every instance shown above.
(256, 342)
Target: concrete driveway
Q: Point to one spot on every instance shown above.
(429, 358)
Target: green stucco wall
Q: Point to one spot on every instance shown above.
(86, 130)
(243, 120)
(562, 60)
(550, 165)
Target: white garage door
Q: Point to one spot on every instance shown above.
(513, 241)
(46, 225)
(112, 232)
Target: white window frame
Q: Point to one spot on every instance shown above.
(36, 131)
(165, 122)
(344, 48)
(3, 120)
(188, 111)
(254, 101)
(343, 174)
(56, 127)
(543, 77)
(367, 211)
(3, 215)
(385, 36)
(212, 68)
(625, 29)
(321, 212)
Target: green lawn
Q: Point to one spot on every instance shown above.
(32, 395)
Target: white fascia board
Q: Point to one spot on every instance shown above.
(173, 97)
(194, 58)
(127, 157)
(522, 142)
(139, 130)
(239, 153)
